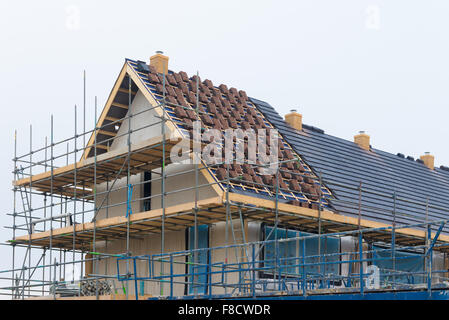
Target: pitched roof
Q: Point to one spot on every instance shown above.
(222, 108)
(344, 165)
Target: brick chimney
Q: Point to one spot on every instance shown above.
(362, 139)
(160, 62)
(428, 160)
(294, 119)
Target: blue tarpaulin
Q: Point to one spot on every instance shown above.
(291, 253)
(199, 270)
(406, 265)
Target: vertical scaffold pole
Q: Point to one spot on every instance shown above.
(253, 271)
(195, 210)
(23, 281)
(361, 262)
(393, 239)
(359, 221)
(55, 264)
(163, 179)
(44, 258)
(61, 212)
(428, 257)
(30, 206)
(107, 216)
(429, 260)
(95, 260)
(319, 232)
(65, 210)
(83, 201)
(276, 251)
(14, 216)
(74, 191)
(244, 238)
(359, 218)
(51, 192)
(84, 109)
(228, 186)
(84, 146)
(128, 183)
(82, 222)
(427, 229)
(304, 275)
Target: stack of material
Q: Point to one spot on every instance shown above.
(88, 287)
(64, 289)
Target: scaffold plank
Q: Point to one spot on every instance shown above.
(143, 156)
(212, 210)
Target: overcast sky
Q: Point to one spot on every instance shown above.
(346, 65)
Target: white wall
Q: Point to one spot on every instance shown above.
(120, 195)
(147, 245)
(139, 120)
(116, 202)
(179, 182)
(217, 238)
(116, 205)
(117, 199)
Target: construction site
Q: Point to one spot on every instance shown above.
(108, 214)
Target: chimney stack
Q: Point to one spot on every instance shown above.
(294, 119)
(428, 160)
(160, 62)
(362, 139)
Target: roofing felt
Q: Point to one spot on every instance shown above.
(394, 188)
(222, 108)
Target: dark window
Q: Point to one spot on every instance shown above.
(147, 191)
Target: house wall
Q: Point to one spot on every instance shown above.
(116, 201)
(145, 245)
(144, 125)
(217, 238)
(176, 241)
(178, 182)
(114, 204)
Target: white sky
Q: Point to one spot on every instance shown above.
(347, 65)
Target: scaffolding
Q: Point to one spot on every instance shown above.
(60, 216)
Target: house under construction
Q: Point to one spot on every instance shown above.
(108, 214)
